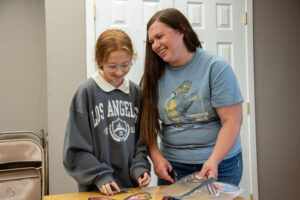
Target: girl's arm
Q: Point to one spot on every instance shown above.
(78, 157)
(140, 162)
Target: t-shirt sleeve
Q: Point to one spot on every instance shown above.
(225, 90)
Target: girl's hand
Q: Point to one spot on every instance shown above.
(107, 188)
(144, 179)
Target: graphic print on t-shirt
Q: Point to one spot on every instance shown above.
(177, 104)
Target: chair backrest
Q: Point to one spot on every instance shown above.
(22, 169)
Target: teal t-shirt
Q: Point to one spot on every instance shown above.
(187, 98)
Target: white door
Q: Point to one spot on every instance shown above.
(219, 25)
(132, 17)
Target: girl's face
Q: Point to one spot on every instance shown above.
(167, 43)
(116, 67)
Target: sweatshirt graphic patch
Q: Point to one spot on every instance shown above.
(119, 130)
(115, 114)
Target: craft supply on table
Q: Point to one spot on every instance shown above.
(140, 196)
(191, 187)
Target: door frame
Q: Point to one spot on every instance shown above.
(90, 16)
(250, 98)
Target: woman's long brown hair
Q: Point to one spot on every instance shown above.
(155, 66)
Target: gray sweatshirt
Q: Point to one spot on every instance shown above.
(102, 141)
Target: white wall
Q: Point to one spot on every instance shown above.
(277, 97)
(22, 65)
(66, 69)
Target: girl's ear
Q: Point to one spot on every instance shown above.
(100, 66)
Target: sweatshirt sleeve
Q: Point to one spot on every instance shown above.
(78, 158)
(140, 162)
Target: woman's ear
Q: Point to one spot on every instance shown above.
(182, 31)
(181, 35)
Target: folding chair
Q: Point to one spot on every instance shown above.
(22, 166)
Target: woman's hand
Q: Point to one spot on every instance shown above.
(107, 188)
(209, 168)
(161, 167)
(144, 179)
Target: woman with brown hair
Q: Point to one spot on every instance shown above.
(192, 100)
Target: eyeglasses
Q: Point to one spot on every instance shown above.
(115, 67)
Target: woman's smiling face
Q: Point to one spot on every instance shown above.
(166, 42)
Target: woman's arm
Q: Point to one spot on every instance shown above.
(161, 165)
(231, 119)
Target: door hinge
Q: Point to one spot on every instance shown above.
(251, 196)
(248, 108)
(95, 12)
(245, 18)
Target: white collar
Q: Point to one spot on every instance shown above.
(107, 87)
